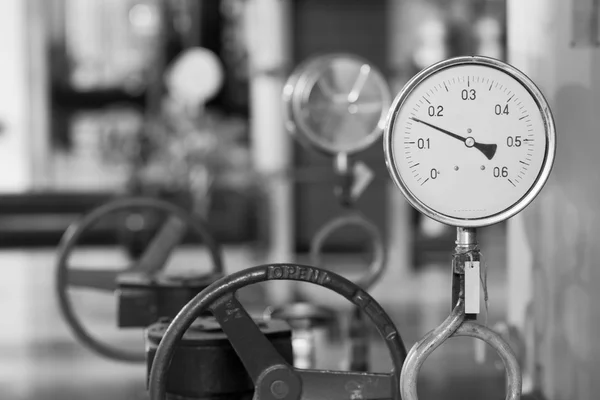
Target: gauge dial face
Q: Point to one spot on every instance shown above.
(337, 103)
(470, 141)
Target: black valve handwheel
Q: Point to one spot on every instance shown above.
(273, 377)
(152, 261)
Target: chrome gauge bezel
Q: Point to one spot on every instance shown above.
(297, 89)
(547, 163)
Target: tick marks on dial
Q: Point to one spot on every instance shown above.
(512, 183)
(414, 165)
(446, 87)
(523, 162)
(511, 97)
(523, 117)
(426, 100)
(424, 182)
(491, 86)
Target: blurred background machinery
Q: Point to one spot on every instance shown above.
(94, 104)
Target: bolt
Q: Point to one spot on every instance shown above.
(279, 389)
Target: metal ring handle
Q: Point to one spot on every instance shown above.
(157, 254)
(378, 264)
(258, 355)
(455, 325)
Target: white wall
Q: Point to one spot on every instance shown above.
(553, 246)
(15, 168)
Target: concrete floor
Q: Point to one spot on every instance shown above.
(40, 359)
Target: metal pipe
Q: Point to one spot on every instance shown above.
(455, 325)
(269, 31)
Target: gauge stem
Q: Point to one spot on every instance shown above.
(344, 179)
(466, 250)
(466, 238)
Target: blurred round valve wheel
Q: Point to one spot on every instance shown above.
(143, 285)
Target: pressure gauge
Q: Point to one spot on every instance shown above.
(470, 141)
(336, 103)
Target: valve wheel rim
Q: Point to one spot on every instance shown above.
(219, 298)
(68, 244)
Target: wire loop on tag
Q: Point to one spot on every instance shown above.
(484, 272)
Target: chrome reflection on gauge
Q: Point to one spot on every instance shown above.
(336, 103)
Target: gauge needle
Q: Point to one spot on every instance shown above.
(361, 79)
(488, 150)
